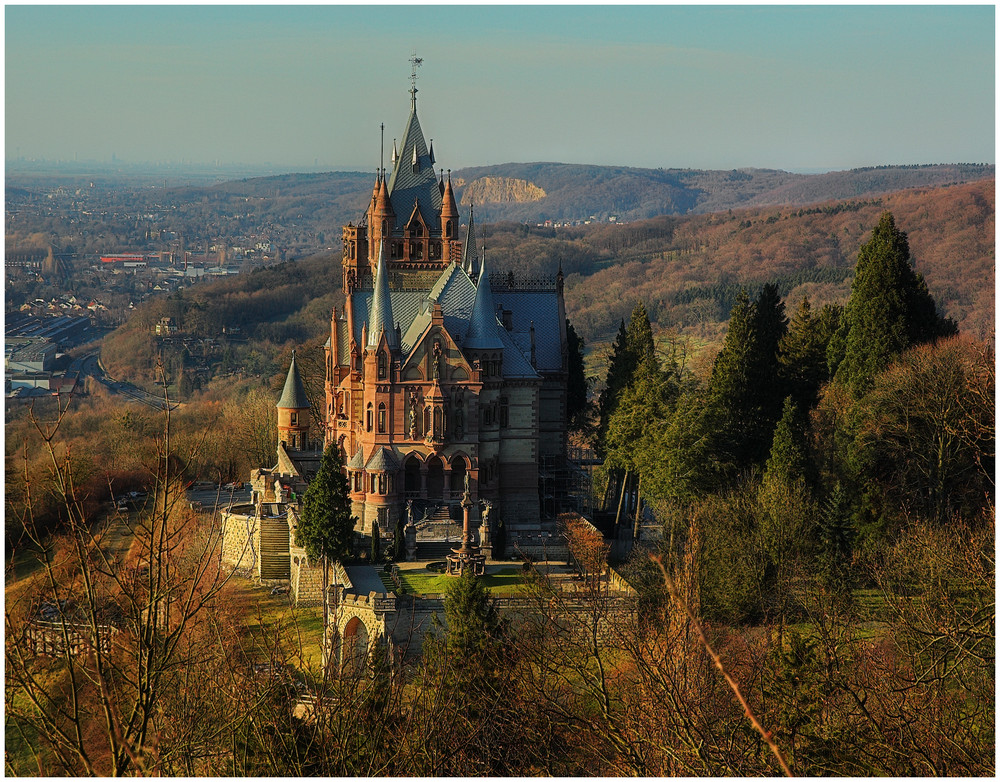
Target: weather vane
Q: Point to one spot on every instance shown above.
(415, 62)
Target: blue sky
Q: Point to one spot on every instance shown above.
(792, 87)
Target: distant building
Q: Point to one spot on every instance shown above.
(28, 355)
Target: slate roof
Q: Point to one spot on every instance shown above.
(542, 307)
(483, 325)
(383, 460)
(294, 393)
(456, 294)
(357, 461)
(407, 185)
(381, 311)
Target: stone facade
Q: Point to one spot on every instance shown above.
(436, 371)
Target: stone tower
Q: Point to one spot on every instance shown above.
(293, 412)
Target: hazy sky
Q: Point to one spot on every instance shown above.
(786, 87)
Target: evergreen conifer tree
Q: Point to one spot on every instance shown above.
(474, 623)
(743, 391)
(327, 527)
(835, 541)
(576, 384)
(788, 461)
(802, 353)
(890, 310)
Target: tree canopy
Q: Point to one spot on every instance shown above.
(890, 310)
(326, 527)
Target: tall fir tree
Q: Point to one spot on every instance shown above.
(890, 310)
(326, 528)
(788, 462)
(802, 352)
(744, 392)
(576, 383)
(631, 346)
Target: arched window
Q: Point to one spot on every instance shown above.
(381, 366)
(381, 417)
(447, 229)
(368, 418)
(385, 227)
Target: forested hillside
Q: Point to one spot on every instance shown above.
(687, 269)
(535, 192)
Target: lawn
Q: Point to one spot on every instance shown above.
(505, 582)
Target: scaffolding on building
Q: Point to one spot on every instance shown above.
(565, 483)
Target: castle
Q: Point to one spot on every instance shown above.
(438, 372)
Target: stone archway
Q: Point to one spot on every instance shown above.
(354, 648)
(411, 477)
(435, 479)
(458, 470)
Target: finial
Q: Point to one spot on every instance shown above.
(381, 148)
(415, 62)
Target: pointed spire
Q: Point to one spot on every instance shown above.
(469, 259)
(381, 318)
(449, 209)
(482, 333)
(395, 154)
(431, 152)
(293, 395)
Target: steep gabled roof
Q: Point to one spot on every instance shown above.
(293, 396)
(413, 177)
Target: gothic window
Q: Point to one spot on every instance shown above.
(504, 412)
(374, 484)
(381, 417)
(385, 227)
(381, 366)
(368, 418)
(382, 483)
(420, 230)
(437, 421)
(447, 229)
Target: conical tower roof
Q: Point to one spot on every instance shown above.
(469, 255)
(293, 396)
(482, 333)
(380, 317)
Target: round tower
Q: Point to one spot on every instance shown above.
(293, 412)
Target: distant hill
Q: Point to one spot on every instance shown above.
(688, 270)
(536, 192)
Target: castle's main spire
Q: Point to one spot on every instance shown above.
(412, 174)
(482, 333)
(380, 318)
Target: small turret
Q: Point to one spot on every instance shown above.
(293, 411)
